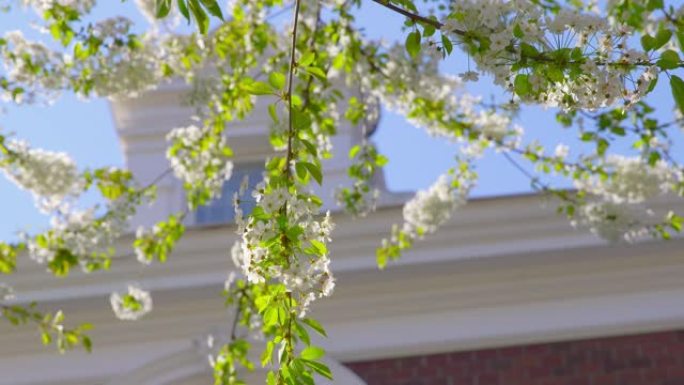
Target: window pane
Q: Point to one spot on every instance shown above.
(221, 210)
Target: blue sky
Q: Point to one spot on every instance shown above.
(85, 130)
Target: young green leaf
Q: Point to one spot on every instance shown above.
(319, 368)
(413, 44)
(677, 85)
(661, 38)
(213, 8)
(276, 80)
(315, 171)
(317, 72)
(522, 85)
(312, 353)
(313, 324)
(668, 60)
(183, 8)
(162, 8)
(259, 88)
(306, 59)
(199, 15)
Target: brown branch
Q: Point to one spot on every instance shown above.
(416, 17)
(236, 320)
(293, 63)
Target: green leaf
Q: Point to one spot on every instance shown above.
(319, 368)
(522, 85)
(647, 42)
(653, 158)
(307, 59)
(296, 100)
(258, 88)
(555, 73)
(313, 324)
(675, 221)
(303, 333)
(267, 354)
(317, 248)
(271, 379)
(517, 31)
(413, 44)
(199, 15)
(87, 344)
(273, 113)
(274, 315)
(677, 85)
(312, 353)
(46, 338)
(317, 72)
(601, 146)
(381, 160)
(668, 60)
(162, 8)
(62, 263)
(300, 119)
(652, 85)
(310, 147)
(428, 30)
(213, 8)
(528, 50)
(183, 8)
(655, 4)
(446, 43)
(339, 61)
(276, 80)
(301, 170)
(587, 136)
(315, 171)
(661, 38)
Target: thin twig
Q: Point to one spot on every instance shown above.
(415, 17)
(293, 63)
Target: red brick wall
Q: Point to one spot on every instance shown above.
(646, 359)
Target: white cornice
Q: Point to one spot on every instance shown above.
(504, 271)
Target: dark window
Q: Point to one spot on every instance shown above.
(221, 210)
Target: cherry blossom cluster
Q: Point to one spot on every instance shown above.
(572, 59)
(631, 180)
(119, 65)
(305, 268)
(617, 207)
(20, 57)
(132, 305)
(411, 85)
(51, 177)
(56, 184)
(615, 222)
(416, 83)
(200, 158)
(82, 234)
(488, 128)
(428, 210)
(158, 242)
(123, 70)
(431, 208)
